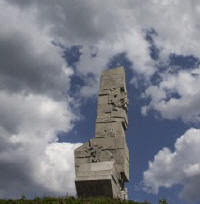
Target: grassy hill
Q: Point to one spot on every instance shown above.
(72, 200)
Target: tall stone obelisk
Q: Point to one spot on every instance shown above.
(102, 164)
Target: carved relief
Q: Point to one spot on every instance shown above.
(118, 98)
(95, 153)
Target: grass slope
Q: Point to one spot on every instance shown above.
(72, 200)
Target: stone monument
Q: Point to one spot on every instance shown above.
(102, 164)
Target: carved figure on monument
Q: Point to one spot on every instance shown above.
(102, 164)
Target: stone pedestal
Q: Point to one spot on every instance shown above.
(97, 179)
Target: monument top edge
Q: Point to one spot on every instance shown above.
(119, 70)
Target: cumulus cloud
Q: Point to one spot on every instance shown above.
(29, 148)
(181, 166)
(97, 28)
(176, 96)
(104, 30)
(93, 21)
(29, 61)
(34, 80)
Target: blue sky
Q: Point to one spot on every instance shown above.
(53, 53)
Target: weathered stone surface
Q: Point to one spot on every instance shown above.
(102, 164)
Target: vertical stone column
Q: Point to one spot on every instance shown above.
(102, 164)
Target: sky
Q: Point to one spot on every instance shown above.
(52, 54)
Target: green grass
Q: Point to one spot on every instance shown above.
(72, 200)
(69, 200)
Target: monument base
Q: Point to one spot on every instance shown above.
(94, 188)
(99, 181)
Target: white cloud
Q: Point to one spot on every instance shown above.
(176, 96)
(109, 28)
(30, 62)
(34, 80)
(91, 22)
(55, 173)
(34, 112)
(176, 22)
(179, 167)
(118, 26)
(30, 146)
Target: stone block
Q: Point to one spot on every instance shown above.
(97, 179)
